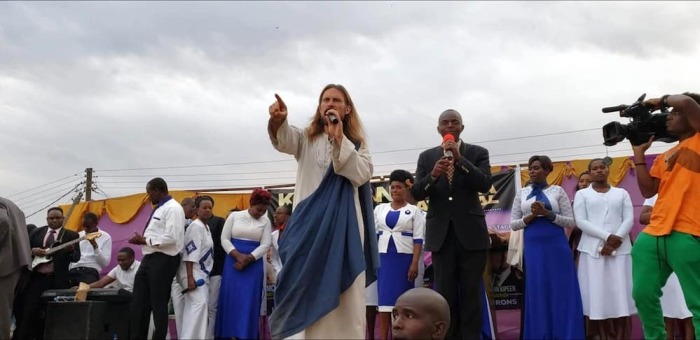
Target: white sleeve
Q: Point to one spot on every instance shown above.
(113, 273)
(288, 139)
(627, 215)
(104, 252)
(516, 215)
(418, 226)
(265, 241)
(355, 165)
(582, 221)
(226, 234)
(649, 202)
(565, 217)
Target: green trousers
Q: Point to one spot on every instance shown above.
(654, 258)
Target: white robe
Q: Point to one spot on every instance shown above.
(199, 249)
(313, 157)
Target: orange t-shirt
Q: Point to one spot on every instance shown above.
(677, 207)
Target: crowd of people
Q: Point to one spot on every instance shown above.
(336, 247)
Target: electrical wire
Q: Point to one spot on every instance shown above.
(43, 185)
(54, 202)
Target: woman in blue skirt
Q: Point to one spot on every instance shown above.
(552, 305)
(400, 229)
(245, 238)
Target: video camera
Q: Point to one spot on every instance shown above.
(644, 124)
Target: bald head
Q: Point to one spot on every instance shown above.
(420, 313)
(450, 122)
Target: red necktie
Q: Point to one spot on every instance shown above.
(50, 239)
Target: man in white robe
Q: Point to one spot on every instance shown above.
(316, 148)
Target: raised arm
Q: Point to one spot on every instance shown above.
(284, 138)
(685, 105)
(104, 252)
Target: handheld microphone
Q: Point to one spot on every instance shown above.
(334, 119)
(199, 282)
(448, 138)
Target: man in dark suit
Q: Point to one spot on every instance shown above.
(455, 230)
(14, 259)
(51, 275)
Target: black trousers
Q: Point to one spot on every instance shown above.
(152, 293)
(459, 279)
(30, 324)
(83, 274)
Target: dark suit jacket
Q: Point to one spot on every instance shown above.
(216, 226)
(458, 203)
(62, 258)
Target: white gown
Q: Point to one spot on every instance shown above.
(199, 248)
(314, 157)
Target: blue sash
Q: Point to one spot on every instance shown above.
(320, 254)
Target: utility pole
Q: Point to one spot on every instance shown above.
(88, 184)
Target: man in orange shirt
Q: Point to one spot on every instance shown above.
(671, 241)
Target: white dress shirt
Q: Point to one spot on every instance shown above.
(124, 278)
(275, 260)
(165, 232)
(409, 229)
(600, 215)
(241, 225)
(94, 258)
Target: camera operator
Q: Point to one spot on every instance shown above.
(671, 241)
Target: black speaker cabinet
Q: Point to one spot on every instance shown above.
(76, 320)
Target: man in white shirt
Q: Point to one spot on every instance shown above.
(121, 276)
(95, 254)
(161, 243)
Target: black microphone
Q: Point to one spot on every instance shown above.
(615, 108)
(334, 119)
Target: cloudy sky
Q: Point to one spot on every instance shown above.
(181, 90)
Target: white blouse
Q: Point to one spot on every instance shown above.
(409, 229)
(561, 207)
(241, 225)
(600, 215)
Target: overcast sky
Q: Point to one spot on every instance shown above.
(122, 85)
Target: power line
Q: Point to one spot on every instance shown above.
(27, 193)
(43, 185)
(198, 166)
(206, 180)
(41, 195)
(378, 152)
(54, 202)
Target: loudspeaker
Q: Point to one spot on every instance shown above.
(75, 320)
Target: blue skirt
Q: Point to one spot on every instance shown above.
(552, 302)
(392, 280)
(240, 296)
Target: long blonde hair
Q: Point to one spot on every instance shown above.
(352, 125)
